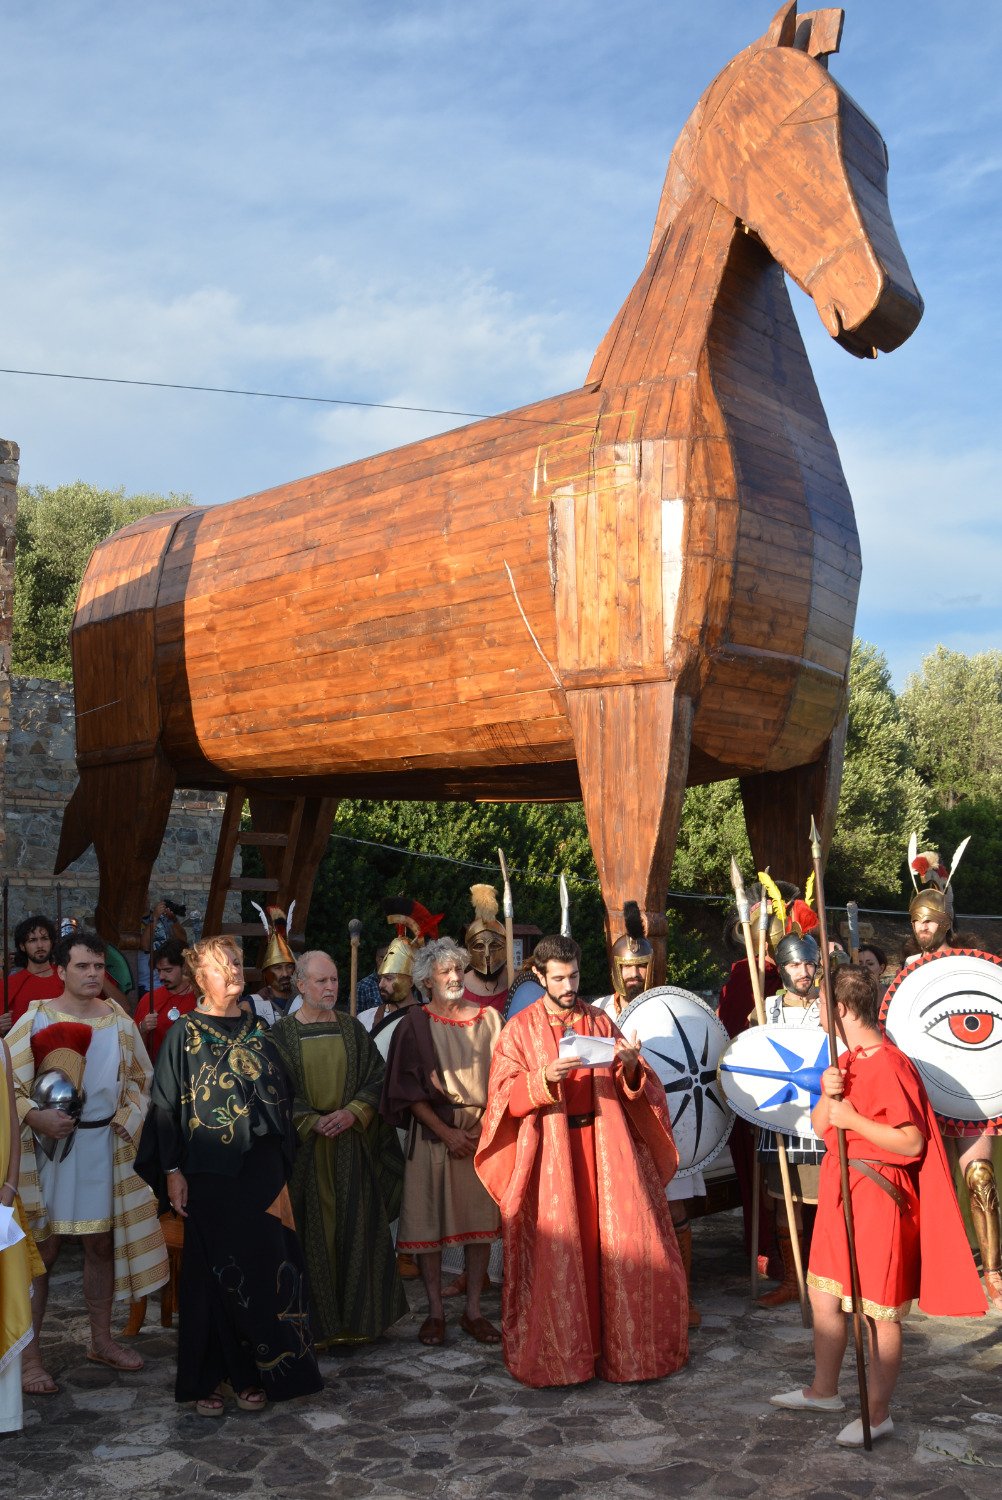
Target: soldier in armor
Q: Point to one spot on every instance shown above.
(794, 1004)
(487, 977)
(632, 960)
(278, 995)
(932, 918)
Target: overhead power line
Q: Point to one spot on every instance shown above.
(538, 877)
(227, 390)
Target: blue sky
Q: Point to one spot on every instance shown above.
(443, 204)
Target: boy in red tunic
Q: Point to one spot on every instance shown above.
(910, 1240)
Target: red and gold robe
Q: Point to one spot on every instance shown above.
(587, 1231)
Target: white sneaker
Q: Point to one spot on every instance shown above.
(852, 1436)
(799, 1401)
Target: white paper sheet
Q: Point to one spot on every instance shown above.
(10, 1229)
(593, 1051)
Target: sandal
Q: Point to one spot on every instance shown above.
(432, 1332)
(480, 1329)
(116, 1358)
(210, 1406)
(251, 1398)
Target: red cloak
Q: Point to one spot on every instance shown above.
(526, 1162)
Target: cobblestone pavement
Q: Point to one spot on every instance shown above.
(398, 1420)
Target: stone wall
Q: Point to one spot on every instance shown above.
(40, 774)
(9, 455)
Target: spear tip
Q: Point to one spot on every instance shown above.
(815, 839)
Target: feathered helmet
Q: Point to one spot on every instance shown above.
(633, 947)
(411, 919)
(791, 917)
(783, 897)
(933, 896)
(276, 924)
(485, 936)
(60, 1055)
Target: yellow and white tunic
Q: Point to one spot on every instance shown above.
(95, 1188)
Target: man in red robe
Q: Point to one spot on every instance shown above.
(578, 1159)
(171, 999)
(34, 940)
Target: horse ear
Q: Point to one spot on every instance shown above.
(783, 29)
(819, 33)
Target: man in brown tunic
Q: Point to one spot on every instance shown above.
(436, 1088)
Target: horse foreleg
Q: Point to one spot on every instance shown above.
(632, 746)
(779, 806)
(127, 806)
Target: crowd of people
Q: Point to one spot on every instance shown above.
(318, 1149)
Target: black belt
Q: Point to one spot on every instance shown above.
(94, 1124)
(578, 1122)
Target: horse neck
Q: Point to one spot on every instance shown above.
(663, 324)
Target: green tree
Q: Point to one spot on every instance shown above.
(882, 798)
(56, 531)
(953, 711)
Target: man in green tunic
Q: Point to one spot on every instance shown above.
(347, 1179)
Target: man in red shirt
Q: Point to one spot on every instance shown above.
(172, 998)
(34, 939)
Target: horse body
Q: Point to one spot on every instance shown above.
(641, 584)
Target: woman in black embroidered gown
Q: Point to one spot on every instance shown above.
(218, 1145)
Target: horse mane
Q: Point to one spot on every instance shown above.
(818, 33)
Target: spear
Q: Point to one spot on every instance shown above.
(764, 912)
(509, 919)
(565, 908)
(741, 898)
(6, 940)
(355, 935)
(852, 913)
(59, 910)
(843, 1154)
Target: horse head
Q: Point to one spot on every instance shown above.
(779, 143)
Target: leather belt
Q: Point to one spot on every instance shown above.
(94, 1124)
(889, 1188)
(578, 1122)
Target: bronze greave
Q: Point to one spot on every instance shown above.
(983, 1196)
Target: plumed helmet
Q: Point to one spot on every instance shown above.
(62, 1048)
(485, 936)
(275, 949)
(412, 919)
(756, 892)
(931, 879)
(633, 947)
(60, 1056)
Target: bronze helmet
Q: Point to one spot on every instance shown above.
(633, 947)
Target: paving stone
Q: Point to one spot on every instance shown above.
(399, 1423)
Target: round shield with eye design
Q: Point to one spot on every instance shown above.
(682, 1039)
(944, 1011)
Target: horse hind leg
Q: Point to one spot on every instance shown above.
(123, 810)
(779, 806)
(632, 745)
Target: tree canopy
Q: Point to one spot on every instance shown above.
(55, 533)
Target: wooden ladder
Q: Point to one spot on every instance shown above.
(292, 834)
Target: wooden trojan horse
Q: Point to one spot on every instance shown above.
(645, 583)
